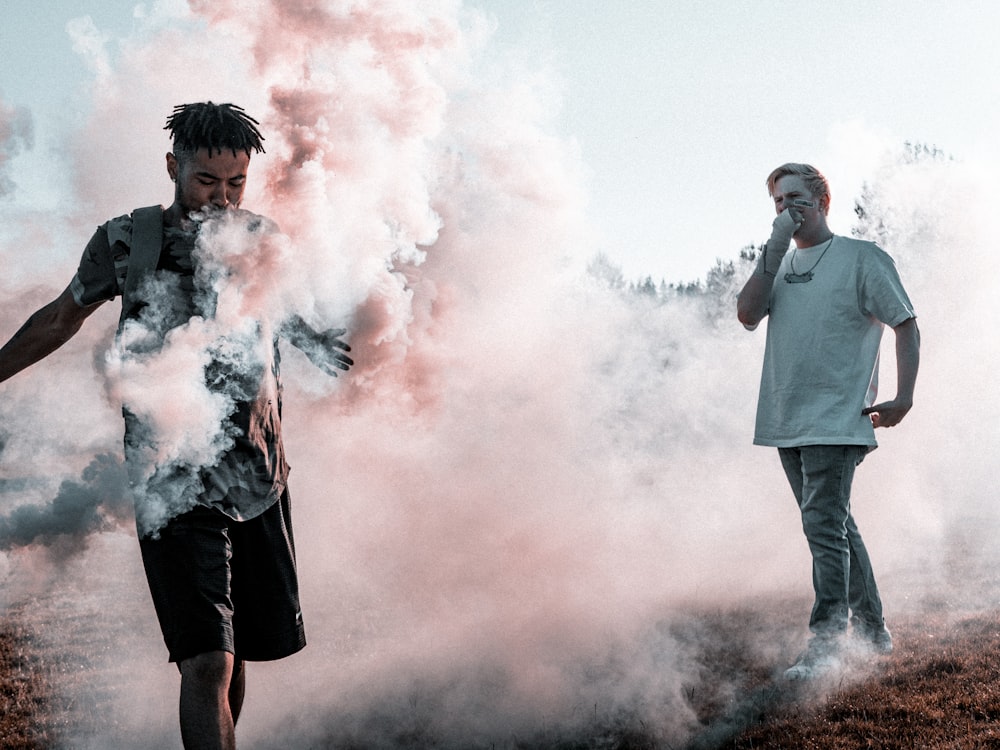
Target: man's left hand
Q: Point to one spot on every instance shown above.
(327, 351)
(888, 413)
(324, 349)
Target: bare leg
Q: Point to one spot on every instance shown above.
(237, 688)
(206, 717)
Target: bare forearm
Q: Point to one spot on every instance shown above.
(44, 332)
(755, 298)
(753, 301)
(891, 413)
(907, 359)
(34, 341)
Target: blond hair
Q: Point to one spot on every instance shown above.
(813, 178)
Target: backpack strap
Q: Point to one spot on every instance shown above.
(147, 242)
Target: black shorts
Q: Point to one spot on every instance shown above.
(225, 585)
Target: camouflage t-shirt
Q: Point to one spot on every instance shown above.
(250, 475)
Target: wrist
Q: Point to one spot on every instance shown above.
(774, 253)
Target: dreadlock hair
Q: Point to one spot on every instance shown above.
(215, 127)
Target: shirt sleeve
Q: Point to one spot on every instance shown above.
(883, 295)
(102, 268)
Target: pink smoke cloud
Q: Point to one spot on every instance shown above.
(526, 473)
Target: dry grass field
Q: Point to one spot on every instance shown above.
(25, 689)
(52, 686)
(940, 690)
(67, 680)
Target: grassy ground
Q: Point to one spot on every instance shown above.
(61, 683)
(67, 678)
(939, 690)
(26, 701)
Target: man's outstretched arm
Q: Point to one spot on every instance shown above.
(325, 349)
(43, 333)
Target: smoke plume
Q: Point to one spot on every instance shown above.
(529, 472)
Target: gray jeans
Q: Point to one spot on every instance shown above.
(821, 477)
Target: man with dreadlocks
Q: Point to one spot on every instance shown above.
(221, 570)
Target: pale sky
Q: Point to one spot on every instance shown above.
(679, 109)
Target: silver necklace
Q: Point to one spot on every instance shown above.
(802, 278)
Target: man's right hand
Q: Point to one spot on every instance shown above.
(782, 228)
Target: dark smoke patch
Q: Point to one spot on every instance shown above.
(622, 693)
(98, 501)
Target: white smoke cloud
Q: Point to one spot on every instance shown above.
(162, 373)
(934, 219)
(504, 504)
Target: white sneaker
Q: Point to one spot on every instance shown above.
(877, 638)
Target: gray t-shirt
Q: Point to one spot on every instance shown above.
(823, 337)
